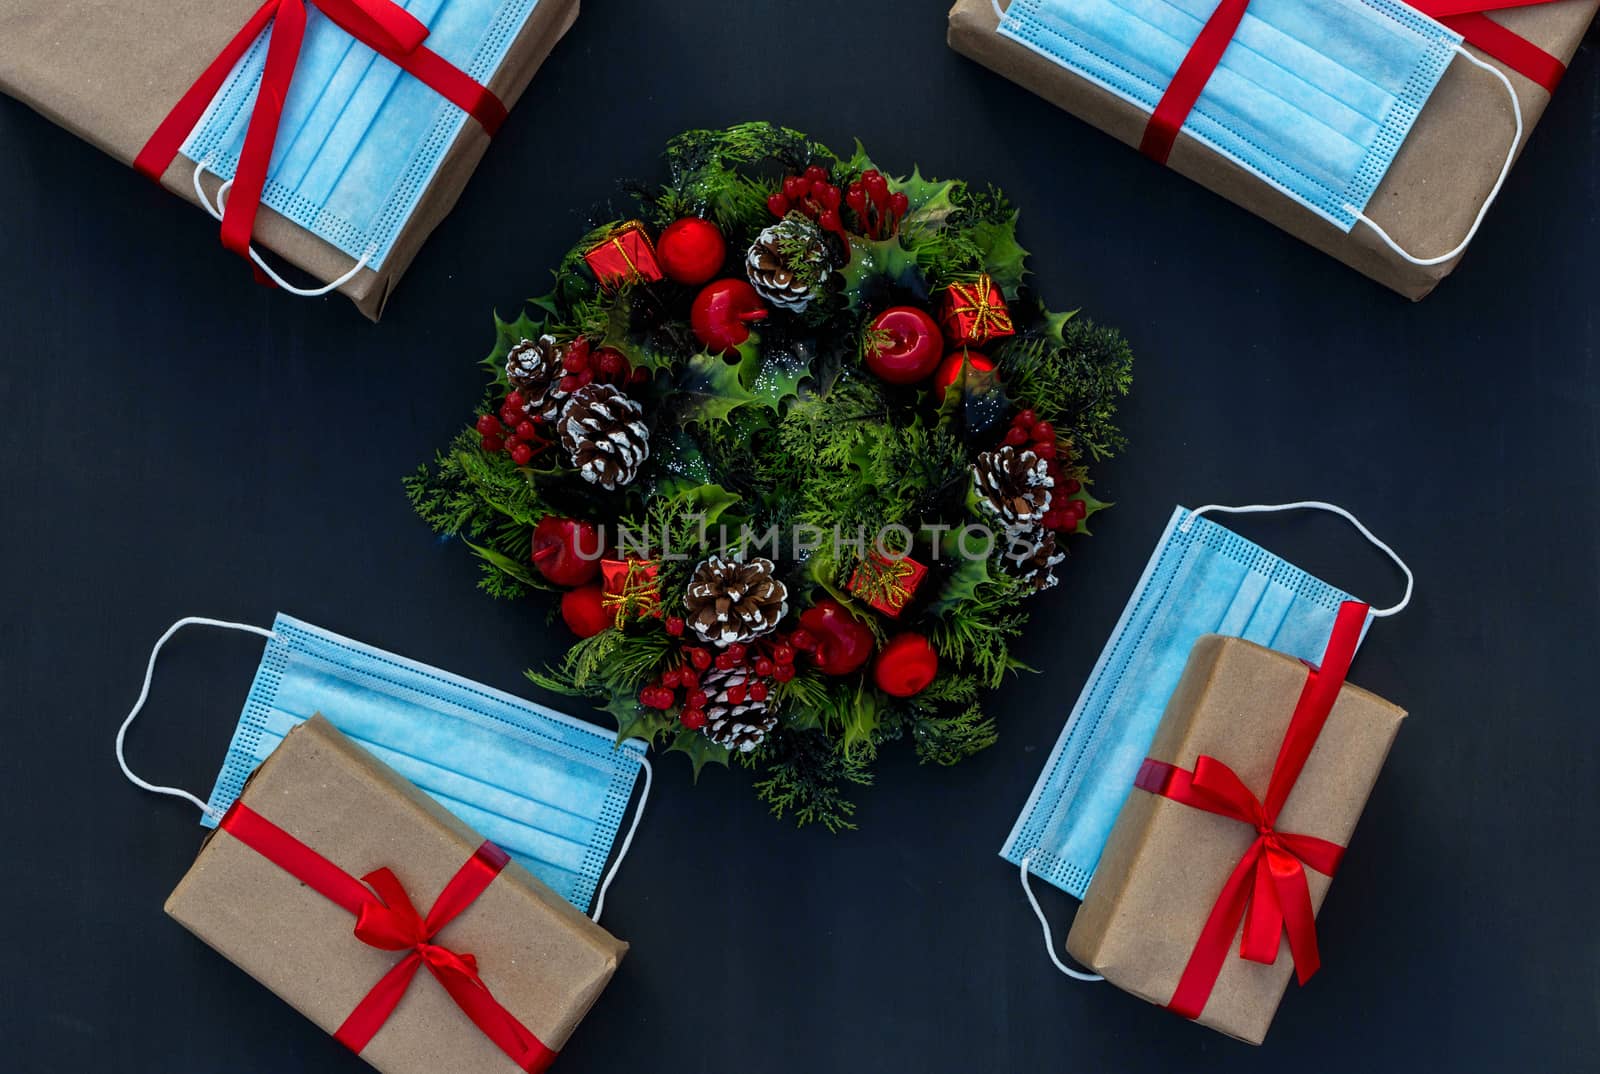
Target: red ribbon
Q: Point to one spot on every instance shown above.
(1267, 890)
(382, 25)
(386, 919)
(1465, 17)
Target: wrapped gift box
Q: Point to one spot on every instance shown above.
(1167, 863)
(111, 71)
(1431, 194)
(543, 961)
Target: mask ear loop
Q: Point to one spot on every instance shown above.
(1049, 940)
(627, 841)
(1505, 170)
(144, 695)
(221, 207)
(1317, 505)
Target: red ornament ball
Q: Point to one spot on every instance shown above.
(908, 345)
(949, 370)
(584, 611)
(906, 666)
(566, 550)
(722, 315)
(691, 251)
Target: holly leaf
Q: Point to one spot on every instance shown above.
(929, 202)
(1003, 257)
(973, 403)
(878, 264)
(1056, 323)
(859, 162)
(1095, 507)
(776, 375)
(710, 389)
(711, 501)
(508, 334)
(636, 721)
(700, 750)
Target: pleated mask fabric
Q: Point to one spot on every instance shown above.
(1201, 579)
(360, 139)
(548, 789)
(1315, 97)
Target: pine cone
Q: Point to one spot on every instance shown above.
(1035, 555)
(732, 602)
(741, 724)
(534, 368)
(602, 431)
(788, 263)
(1013, 486)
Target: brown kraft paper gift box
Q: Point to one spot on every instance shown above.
(1431, 194)
(543, 960)
(109, 71)
(1166, 862)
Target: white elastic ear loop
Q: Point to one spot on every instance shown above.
(221, 207)
(1049, 941)
(144, 694)
(1505, 170)
(627, 841)
(998, 12)
(1317, 505)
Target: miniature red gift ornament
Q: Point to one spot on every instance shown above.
(626, 257)
(974, 313)
(887, 584)
(631, 588)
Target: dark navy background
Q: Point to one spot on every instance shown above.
(176, 440)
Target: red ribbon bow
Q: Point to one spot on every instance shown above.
(1465, 17)
(1267, 890)
(386, 919)
(382, 25)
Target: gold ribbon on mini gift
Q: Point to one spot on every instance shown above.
(989, 319)
(883, 581)
(633, 227)
(636, 592)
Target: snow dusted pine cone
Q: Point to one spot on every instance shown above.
(1035, 554)
(534, 368)
(602, 430)
(1013, 486)
(729, 601)
(733, 718)
(788, 263)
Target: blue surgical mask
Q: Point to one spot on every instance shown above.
(360, 140)
(1202, 579)
(548, 789)
(1313, 96)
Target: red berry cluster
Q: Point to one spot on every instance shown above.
(768, 658)
(878, 212)
(1039, 437)
(522, 436)
(812, 195)
(513, 431)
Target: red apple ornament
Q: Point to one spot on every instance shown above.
(907, 345)
(566, 550)
(842, 644)
(949, 370)
(722, 314)
(906, 666)
(584, 611)
(691, 251)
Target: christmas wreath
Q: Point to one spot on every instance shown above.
(795, 445)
